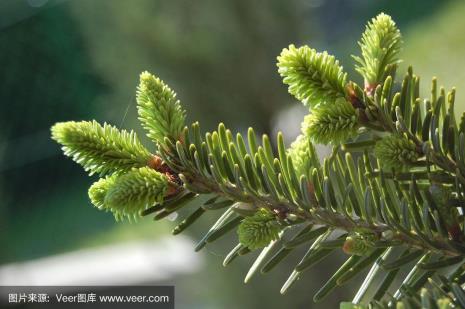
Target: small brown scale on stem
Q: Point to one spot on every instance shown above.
(311, 190)
(353, 98)
(281, 212)
(455, 232)
(370, 88)
(156, 163)
(357, 103)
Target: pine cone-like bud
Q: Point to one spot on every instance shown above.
(312, 77)
(159, 110)
(258, 230)
(100, 149)
(303, 155)
(99, 189)
(332, 123)
(381, 43)
(356, 245)
(128, 194)
(396, 151)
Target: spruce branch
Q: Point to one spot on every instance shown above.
(312, 201)
(313, 78)
(100, 149)
(391, 195)
(159, 110)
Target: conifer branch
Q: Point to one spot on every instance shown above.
(391, 194)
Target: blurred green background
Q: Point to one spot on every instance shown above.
(80, 59)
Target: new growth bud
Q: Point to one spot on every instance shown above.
(396, 151)
(258, 230)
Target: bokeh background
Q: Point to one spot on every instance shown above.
(80, 59)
